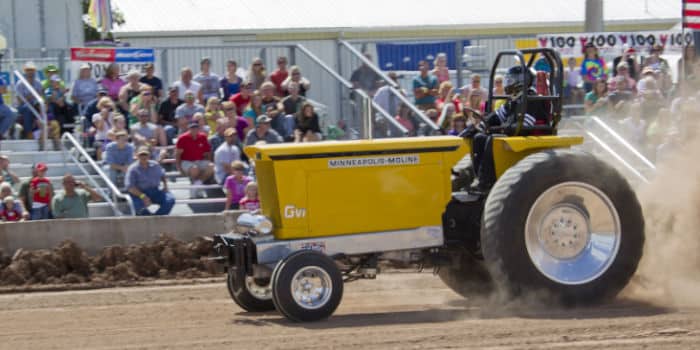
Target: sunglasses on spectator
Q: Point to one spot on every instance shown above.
(296, 73)
(229, 109)
(147, 93)
(189, 97)
(257, 64)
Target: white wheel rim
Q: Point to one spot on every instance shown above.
(311, 287)
(256, 290)
(572, 233)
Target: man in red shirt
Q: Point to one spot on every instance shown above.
(40, 190)
(279, 75)
(242, 99)
(193, 156)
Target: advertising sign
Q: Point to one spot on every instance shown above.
(100, 58)
(611, 43)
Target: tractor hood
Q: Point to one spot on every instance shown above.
(348, 187)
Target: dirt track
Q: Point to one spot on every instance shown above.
(402, 310)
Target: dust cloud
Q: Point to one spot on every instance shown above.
(669, 272)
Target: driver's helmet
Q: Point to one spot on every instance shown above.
(516, 80)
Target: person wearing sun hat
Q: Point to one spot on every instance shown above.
(84, 88)
(26, 100)
(142, 181)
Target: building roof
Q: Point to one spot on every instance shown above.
(199, 17)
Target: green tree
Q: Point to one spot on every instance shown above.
(91, 34)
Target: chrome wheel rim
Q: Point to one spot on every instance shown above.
(256, 290)
(311, 287)
(572, 233)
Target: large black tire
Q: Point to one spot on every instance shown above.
(315, 264)
(503, 232)
(466, 275)
(241, 295)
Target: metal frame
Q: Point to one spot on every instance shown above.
(270, 251)
(394, 87)
(116, 193)
(39, 115)
(367, 105)
(555, 85)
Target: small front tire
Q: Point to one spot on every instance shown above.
(307, 286)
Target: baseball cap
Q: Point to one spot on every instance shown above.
(51, 68)
(84, 66)
(193, 125)
(263, 119)
(230, 132)
(205, 59)
(3, 156)
(143, 150)
(102, 90)
(172, 88)
(41, 167)
(121, 133)
(148, 65)
(647, 70)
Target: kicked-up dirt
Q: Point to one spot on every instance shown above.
(396, 311)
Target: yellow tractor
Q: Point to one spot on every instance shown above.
(557, 220)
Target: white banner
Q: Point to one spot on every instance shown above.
(611, 43)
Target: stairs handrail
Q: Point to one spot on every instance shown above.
(624, 142)
(394, 87)
(116, 193)
(347, 84)
(41, 114)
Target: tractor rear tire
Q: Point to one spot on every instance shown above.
(248, 293)
(562, 222)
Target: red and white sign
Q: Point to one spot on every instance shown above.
(611, 43)
(92, 54)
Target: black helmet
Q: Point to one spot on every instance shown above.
(516, 80)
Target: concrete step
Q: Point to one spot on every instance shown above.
(54, 169)
(22, 145)
(34, 157)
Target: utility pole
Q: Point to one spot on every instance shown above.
(594, 16)
(42, 27)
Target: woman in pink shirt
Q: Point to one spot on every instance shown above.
(112, 82)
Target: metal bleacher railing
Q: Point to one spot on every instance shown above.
(367, 103)
(39, 115)
(73, 150)
(394, 88)
(615, 145)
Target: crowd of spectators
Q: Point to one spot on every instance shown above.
(140, 129)
(635, 93)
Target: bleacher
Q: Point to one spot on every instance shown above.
(24, 153)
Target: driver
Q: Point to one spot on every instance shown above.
(503, 120)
